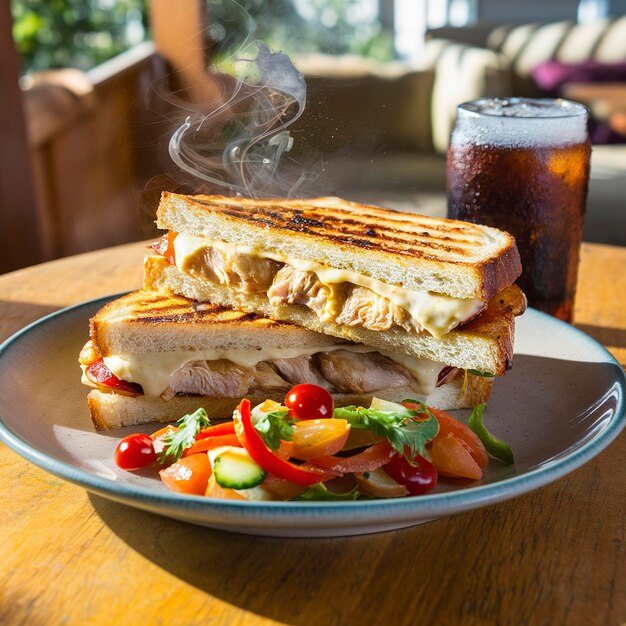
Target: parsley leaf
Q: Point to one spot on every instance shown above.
(178, 441)
(274, 427)
(400, 426)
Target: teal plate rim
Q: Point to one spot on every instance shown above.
(436, 504)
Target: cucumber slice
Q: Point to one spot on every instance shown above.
(234, 468)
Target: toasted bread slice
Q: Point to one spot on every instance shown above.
(484, 344)
(147, 321)
(447, 257)
(112, 410)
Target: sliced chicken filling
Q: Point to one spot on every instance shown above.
(225, 265)
(343, 303)
(339, 371)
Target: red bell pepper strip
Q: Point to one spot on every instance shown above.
(209, 443)
(370, 459)
(251, 440)
(227, 428)
(97, 372)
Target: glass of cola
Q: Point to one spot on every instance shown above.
(522, 165)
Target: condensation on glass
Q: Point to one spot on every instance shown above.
(522, 165)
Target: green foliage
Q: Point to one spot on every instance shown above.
(295, 27)
(404, 429)
(75, 33)
(177, 442)
(274, 427)
(318, 491)
(84, 33)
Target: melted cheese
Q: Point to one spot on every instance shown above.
(436, 313)
(153, 370)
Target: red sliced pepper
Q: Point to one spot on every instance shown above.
(97, 372)
(250, 439)
(370, 459)
(227, 428)
(165, 246)
(209, 443)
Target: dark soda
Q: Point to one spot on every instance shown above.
(533, 184)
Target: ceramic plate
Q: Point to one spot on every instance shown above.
(561, 404)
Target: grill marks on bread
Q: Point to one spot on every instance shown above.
(129, 320)
(407, 235)
(144, 307)
(458, 259)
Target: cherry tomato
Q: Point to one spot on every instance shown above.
(135, 452)
(418, 479)
(309, 402)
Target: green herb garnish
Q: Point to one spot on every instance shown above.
(479, 373)
(178, 441)
(274, 427)
(496, 447)
(318, 491)
(396, 423)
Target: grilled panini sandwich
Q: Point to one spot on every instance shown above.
(398, 282)
(152, 356)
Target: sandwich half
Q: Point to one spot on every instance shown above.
(431, 288)
(154, 357)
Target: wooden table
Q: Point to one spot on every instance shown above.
(555, 556)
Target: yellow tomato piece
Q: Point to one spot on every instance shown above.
(316, 438)
(215, 490)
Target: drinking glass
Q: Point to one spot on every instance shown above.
(522, 165)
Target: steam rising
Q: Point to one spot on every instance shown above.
(239, 144)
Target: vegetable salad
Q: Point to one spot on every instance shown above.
(306, 449)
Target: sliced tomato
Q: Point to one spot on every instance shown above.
(452, 458)
(165, 246)
(284, 451)
(189, 475)
(318, 437)
(158, 437)
(447, 424)
(210, 443)
(250, 439)
(99, 374)
(370, 459)
(359, 438)
(215, 490)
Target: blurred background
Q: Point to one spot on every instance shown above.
(94, 89)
